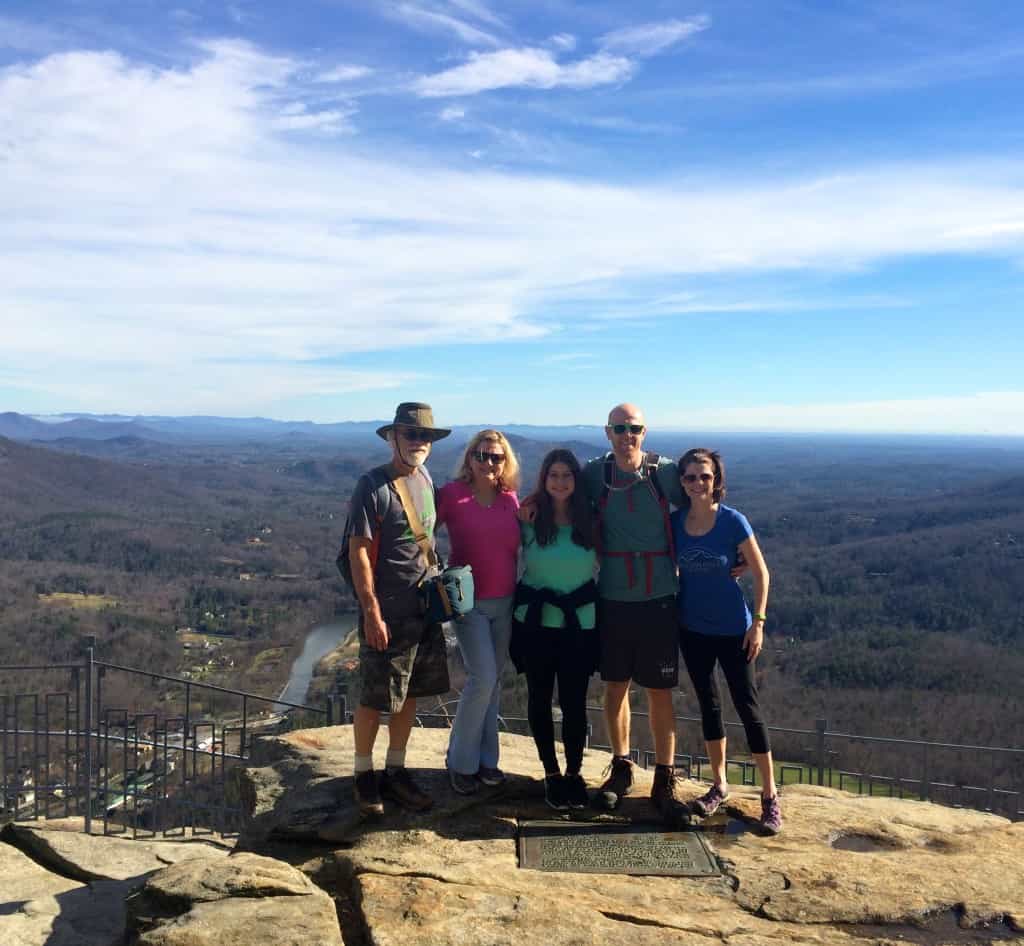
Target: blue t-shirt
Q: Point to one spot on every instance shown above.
(710, 599)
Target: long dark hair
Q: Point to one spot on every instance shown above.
(580, 515)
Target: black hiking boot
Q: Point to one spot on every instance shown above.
(667, 798)
(397, 786)
(617, 785)
(367, 795)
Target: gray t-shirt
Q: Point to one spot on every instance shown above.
(376, 513)
(633, 522)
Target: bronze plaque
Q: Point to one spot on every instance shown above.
(586, 848)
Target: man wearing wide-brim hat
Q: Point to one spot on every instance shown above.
(401, 655)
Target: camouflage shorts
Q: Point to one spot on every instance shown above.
(414, 664)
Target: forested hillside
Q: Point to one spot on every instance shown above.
(896, 568)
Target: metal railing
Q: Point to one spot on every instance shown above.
(66, 753)
(986, 778)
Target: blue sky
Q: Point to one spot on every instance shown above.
(741, 215)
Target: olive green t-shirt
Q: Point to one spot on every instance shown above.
(632, 521)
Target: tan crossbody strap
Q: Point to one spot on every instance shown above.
(415, 523)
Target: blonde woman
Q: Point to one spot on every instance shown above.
(479, 508)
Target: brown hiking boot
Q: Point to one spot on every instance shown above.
(367, 795)
(397, 785)
(667, 797)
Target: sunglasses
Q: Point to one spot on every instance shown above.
(703, 477)
(482, 456)
(416, 434)
(623, 428)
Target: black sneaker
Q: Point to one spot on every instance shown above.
(397, 785)
(463, 784)
(617, 786)
(367, 795)
(555, 792)
(576, 791)
(666, 797)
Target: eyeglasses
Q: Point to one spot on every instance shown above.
(622, 428)
(703, 477)
(482, 456)
(416, 434)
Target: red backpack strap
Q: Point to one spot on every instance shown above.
(651, 462)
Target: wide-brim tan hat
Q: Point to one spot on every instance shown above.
(414, 414)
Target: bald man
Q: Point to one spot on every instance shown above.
(637, 620)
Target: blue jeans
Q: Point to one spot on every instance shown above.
(483, 637)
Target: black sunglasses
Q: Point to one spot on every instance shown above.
(622, 428)
(482, 456)
(416, 434)
(693, 477)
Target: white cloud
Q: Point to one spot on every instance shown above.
(434, 21)
(326, 121)
(999, 413)
(564, 41)
(649, 39)
(343, 74)
(452, 113)
(158, 224)
(528, 68)
(478, 10)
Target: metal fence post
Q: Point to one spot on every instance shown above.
(330, 709)
(926, 777)
(821, 725)
(89, 660)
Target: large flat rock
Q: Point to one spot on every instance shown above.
(63, 846)
(918, 872)
(242, 900)
(39, 908)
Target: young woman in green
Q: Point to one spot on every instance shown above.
(554, 637)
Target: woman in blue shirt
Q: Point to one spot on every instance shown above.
(716, 624)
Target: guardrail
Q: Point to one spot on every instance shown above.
(66, 753)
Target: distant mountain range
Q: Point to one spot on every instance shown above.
(201, 429)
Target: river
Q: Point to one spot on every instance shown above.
(321, 640)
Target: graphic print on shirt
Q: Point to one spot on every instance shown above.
(696, 560)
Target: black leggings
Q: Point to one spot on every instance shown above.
(700, 653)
(556, 653)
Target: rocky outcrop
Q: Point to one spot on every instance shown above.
(62, 845)
(62, 887)
(243, 900)
(38, 906)
(845, 869)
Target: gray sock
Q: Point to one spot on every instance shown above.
(395, 759)
(364, 763)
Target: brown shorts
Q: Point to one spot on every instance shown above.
(640, 641)
(414, 664)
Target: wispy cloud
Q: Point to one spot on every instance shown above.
(478, 11)
(452, 113)
(524, 68)
(433, 20)
(649, 39)
(563, 41)
(160, 222)
(343, 74)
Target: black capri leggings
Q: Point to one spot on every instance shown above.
(566, 656)
(700, 653)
